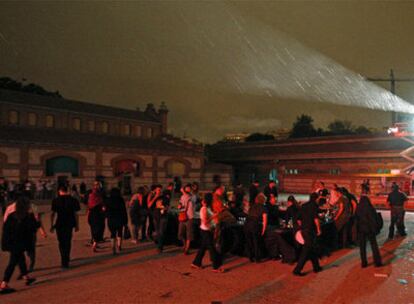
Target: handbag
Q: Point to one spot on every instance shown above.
(182, 216)
(127, 233)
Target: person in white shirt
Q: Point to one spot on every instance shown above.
(206, 234)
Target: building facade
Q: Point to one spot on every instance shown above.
(299, 164)
(44, 137)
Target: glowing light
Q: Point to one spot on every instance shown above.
(248, 57)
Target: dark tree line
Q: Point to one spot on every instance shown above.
(303, 127)
(14, 85)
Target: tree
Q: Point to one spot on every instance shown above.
(362, 130)
(14, 85)
(259, 137)
(303, 127)
(340, 127)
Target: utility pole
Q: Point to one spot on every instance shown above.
(392, 80)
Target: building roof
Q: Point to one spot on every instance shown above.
(56, 103)
(336, 146)
(63, 137)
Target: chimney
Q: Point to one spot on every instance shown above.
(163, 116)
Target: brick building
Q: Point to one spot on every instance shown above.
(298, 164)
(55, 138)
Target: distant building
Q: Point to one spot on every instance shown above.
(298, 164)
(45, 137)
(235, 137)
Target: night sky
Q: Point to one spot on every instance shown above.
(221, 67)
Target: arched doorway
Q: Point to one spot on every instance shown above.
(62, 167)
(177, 170)
(62, 164)
(125, 170)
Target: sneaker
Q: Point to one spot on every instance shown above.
(298, 274)
(30, 281)
(196, 266)
(7, 290)
(218, 270)
(319, 269)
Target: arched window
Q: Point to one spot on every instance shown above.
(105, 127)
(91, 126)
(127, 166)
(50, 121)
(176, 168)
(127, 129)
(76, 124)
(32, 119)
(14, 117)
(62, 164)
(138, 131)
(150, 132)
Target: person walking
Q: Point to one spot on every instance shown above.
(396, 200)
(206, 235)
(117, 218)
(367, 229)
(308, 223)
(17, 237)
(255, 227)
(64, 219)
(96, 215)
(31, 251)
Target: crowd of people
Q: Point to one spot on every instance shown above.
(289, 231)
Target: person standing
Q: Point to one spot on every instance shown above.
(161, 219)
(64, 219)
(396, 200)
(136, 215)
(253, 192)
(255, 227)
(156, 191)
(17, 236)
(309, 225)
(270, 189)
(3, 195)
(367, 229)
(185, 227)
(117, 218)
(96, 215)
(239, 194)
(206, 234)
(342, 216)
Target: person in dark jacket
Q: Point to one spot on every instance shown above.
(396, 200)
(17, 236)
(310, 228)
(117, 218)
(64, 219)
(367, 229)
(255, 227)
(253, 192)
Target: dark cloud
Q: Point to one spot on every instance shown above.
(218, 66)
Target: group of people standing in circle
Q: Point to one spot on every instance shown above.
(148, 211)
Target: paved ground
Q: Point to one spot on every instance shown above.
(140, 275)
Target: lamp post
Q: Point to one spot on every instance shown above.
(392, 80)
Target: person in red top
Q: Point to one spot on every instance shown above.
(96, 215)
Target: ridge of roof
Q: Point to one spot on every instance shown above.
(57, 103)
